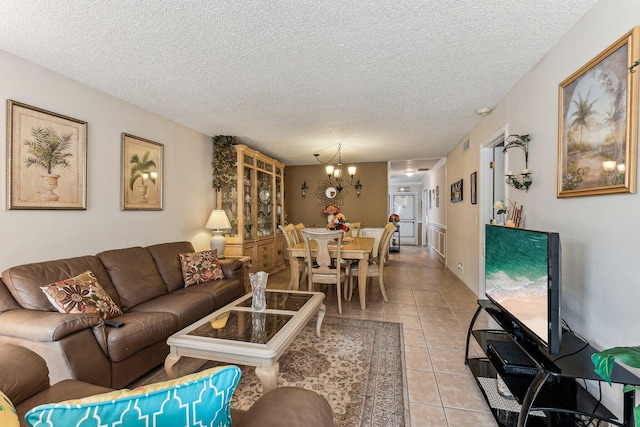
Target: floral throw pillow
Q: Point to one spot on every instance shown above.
(81, 294)
(200, 267)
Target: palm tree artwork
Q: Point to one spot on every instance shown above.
(48, 150)
(141, 169)
(595, 133)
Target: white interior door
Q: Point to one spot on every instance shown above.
(404, 204)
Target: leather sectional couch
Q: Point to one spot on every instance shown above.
(148, 286)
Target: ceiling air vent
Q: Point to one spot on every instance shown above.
(465, 146)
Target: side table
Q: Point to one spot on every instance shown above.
(246, 269)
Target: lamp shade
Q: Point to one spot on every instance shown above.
(218, 220)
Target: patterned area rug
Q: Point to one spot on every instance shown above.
(358, 365)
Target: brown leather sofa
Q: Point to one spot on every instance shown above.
(146, 283)
(25, 381)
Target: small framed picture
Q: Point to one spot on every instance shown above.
(142, 179)
(47, 159)
(473, 180)
(456, 191)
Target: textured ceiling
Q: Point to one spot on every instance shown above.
(391, 80)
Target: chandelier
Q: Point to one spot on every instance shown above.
(336, 174)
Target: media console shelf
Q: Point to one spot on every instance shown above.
(544, 386)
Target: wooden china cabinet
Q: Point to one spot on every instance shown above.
(254, 203)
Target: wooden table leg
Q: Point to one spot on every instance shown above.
(268, 376)
(295, 272)
(363, 265)
(170, 365)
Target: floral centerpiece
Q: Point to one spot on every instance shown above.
(339, 222)
(394, 218)
(331, 209)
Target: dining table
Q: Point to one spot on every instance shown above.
(358, 248)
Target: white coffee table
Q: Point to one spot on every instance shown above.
(235, 334)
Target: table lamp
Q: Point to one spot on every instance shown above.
(218, 222)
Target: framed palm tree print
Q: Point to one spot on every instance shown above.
(598, 117)
(46, 159)
(142, 167)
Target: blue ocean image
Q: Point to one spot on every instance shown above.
(516, 273)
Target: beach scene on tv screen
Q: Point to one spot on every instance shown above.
(516, 269)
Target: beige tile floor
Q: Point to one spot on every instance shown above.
(435, 309)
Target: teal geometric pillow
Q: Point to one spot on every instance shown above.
(200, 399)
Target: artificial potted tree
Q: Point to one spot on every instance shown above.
(48, 150)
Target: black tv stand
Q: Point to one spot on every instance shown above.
(544, 386)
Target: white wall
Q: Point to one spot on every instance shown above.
(599, 234)
(37, 235)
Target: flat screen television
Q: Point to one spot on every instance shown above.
(523, 277)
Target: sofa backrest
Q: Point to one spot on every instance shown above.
(134, 275)
(7, 302)
(167, 259)
(24, 281)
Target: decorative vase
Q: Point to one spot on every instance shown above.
(258, 286)
(50, 183)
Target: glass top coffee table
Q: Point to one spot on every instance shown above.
(236, 334)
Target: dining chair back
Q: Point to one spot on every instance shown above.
(375, 268)
(299, 227)
(291, 239)
(354, 229)
(324, 270)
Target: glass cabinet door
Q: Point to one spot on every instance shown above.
(247, 211)
(229, 200)
(279, 200)
(265, 204)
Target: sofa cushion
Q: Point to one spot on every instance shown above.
(140, 330)
(199, 267)
(203, 398)
(224, 291)
(186, 307)
(24, 281)
(167, 259)
(81, 294)
(134, 275)
(8, 416)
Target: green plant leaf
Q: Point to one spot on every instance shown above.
(605, 360)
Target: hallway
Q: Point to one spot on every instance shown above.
(435, 308)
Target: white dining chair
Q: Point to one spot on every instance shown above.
(324, 270)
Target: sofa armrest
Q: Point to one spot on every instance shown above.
(291, 406)
(232, 269)
(35, 325)
(24, 373)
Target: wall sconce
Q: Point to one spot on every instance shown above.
(522, 142)
(304, 189)
(518, 184)
(358, 186)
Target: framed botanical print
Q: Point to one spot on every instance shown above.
(598, 117)
(142, 173)
(47, 159)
